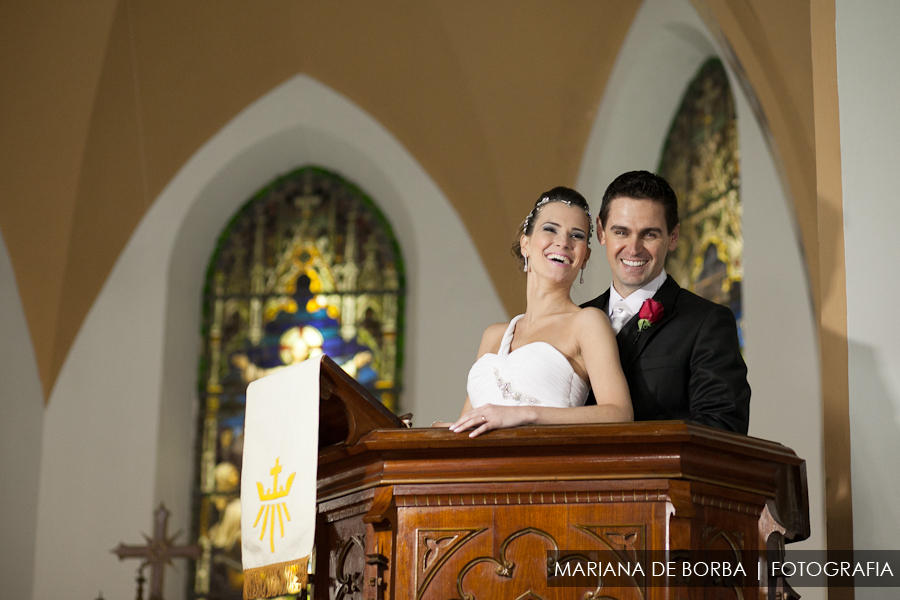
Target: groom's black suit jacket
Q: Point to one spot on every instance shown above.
(686, 366)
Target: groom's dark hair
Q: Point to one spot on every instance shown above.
(641, 185)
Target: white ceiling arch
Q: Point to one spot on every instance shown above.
(667, 44)
(124, 405)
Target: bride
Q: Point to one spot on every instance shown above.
(539, 367)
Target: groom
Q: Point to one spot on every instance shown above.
(683, 361)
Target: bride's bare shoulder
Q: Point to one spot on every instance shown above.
(591, 318)
(493, 335)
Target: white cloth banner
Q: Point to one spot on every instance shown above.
(278, 479)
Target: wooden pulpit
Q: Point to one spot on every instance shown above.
(427, 514)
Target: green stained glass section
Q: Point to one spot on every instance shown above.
(701, 161)
(308, 266)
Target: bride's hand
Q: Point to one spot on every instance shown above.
(489, 417)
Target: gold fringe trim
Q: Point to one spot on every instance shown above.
(275, 580)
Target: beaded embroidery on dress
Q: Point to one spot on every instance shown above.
(535, 374)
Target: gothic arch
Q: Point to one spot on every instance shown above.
(135, 355)
(667, 44)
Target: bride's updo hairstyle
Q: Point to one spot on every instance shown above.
(558, 194)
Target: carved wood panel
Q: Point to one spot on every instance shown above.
(340, 558)
(433, 548)
(503, 552)
(727, 525)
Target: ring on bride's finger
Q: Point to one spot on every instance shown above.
(483, 419)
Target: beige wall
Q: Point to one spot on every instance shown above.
(113, 100)
(870, 130)
(21, 431)
(496, 114)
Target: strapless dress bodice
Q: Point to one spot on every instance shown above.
(535, 374)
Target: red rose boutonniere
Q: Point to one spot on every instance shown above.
(650, 314)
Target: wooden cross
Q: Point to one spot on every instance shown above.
(158, 552)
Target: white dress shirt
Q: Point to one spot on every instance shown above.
(636, 299)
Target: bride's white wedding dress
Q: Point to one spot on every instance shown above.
(535, 374)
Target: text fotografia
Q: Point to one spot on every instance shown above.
(831, 568)
(729, 569)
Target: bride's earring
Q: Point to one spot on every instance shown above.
(582, 276)
(525, 268)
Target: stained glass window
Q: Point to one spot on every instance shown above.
(308, 266)
(701, 161)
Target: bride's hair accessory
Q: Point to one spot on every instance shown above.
(537, 207)
(546, 200)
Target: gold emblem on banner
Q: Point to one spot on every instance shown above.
(268, 512)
